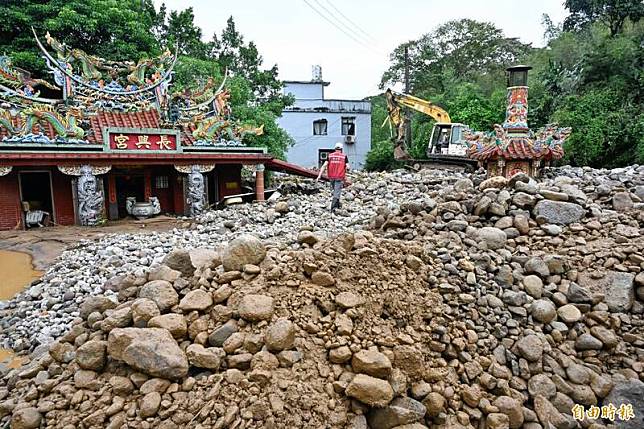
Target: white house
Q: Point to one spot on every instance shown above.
(317, 124)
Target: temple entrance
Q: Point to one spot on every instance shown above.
(129, 186)
(213, 188)
(36, 197)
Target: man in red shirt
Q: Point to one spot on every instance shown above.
(337, 164)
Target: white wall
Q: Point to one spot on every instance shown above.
(299, 125)
(313, 90)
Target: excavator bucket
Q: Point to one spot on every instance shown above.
(400, 154)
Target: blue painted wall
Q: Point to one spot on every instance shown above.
(310, 106)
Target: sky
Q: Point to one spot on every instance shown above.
(291, 34)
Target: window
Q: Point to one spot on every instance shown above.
(161, 182)
(348, 126)
(320, 127)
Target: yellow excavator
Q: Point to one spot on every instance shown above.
(446, 148)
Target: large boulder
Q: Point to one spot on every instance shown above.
(370, 390)
(219, 336)
(559, 212)
(617, 287)
(203, 257)
(92, 355)
(371, 362)
(548, 414)
(497, 182)
(149, 404)
(152, 351)
(143, 309)
(174, 323)
(98, 303)
(161, 292)
(196, 300)
(631, 392)
(622, 201)
(180, 260)
(401, 411)
(543, 311)
(530, 347)
(348, 300)
(569, 313)
(255, 308)
(280, 335)
(26, 418)
(495, 238)
(203, 357)
(243, 250)
(511, 408)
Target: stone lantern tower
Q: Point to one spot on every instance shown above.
(512, 147)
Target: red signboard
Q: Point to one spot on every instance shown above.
(143, 142)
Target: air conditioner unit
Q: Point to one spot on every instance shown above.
(350, 139)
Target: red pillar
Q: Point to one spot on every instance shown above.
(111, 186)
(259, 182)
(148, 184)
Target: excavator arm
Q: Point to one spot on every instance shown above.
(395, 103)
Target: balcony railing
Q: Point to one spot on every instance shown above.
(348, 106)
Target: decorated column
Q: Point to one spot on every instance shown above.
(259, 182)
(90, 197)
(196, 191)
(513, 148)
(516, 113)
(89, 191)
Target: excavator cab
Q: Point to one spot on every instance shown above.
(447, 139)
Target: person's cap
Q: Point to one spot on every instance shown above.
(338, 145)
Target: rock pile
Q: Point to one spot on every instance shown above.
(46, 310)
(474, 304)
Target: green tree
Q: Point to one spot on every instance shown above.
(179, 30)
(112, 29)
(591, 81)
(466, 49)
(243, 59)
(613, 13)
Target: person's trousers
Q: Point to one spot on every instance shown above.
(336, 186)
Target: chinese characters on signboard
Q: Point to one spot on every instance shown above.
(610, 412)
(142, 142)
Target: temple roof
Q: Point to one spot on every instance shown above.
(99, 94)
(546, 143)
(516, 148)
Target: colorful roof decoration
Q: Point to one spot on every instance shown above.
(513, 139)
(97, 93)
(546, 144)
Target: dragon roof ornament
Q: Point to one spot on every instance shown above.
(17, 86)
(91, 65)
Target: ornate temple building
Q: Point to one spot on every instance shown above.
(109, 140)
(512, 147)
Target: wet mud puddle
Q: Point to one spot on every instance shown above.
(16, 273)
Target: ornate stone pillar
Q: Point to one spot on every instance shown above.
(89, 192)
(259, 182)
(516, 113)
(90, 197)
(196, 191)
(501, 167)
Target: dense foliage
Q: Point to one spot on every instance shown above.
(133, 29)
(589, 76)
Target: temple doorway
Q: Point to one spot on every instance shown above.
(129, 185)
(36, 197)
